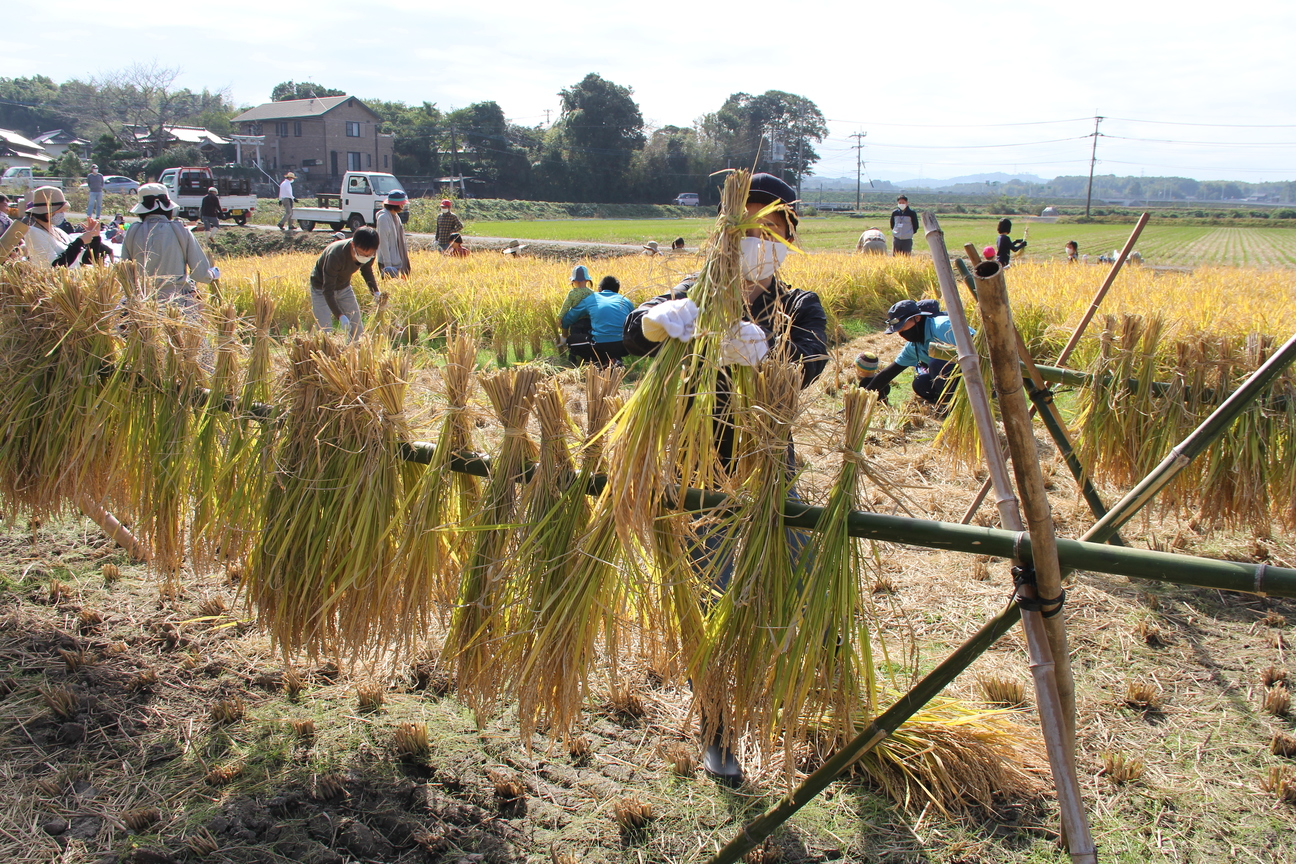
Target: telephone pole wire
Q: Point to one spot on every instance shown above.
(859, 162)
(1093, 159)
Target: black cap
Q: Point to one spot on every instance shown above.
(767, 189)
(901, 312)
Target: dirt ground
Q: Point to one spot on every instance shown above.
(146, 726)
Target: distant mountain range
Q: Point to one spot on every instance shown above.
(842, 183)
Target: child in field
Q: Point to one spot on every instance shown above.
(457, 249)
(1072, 252)
(1006, 245)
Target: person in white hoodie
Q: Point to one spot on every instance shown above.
(48, 244)
(167, 252)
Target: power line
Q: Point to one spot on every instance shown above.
(1206, 143)
(959, 125)
(1212, 125)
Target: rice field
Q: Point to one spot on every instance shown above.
(1160, 244)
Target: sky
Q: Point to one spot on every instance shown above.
(941, 89)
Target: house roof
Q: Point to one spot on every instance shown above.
(59, 136)
(297, 108)
(15, 144)
(194, 135)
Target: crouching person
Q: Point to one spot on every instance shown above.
(925, 329)
(332, 300)
(607, 312)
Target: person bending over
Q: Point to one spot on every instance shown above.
(332, 299)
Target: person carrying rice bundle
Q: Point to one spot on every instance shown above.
(777, 317)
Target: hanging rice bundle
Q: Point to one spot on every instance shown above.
(1281, 413)
(572, 591)
(667, 430)
(156, 387)
(825, 667)
(958, 433)
(246, 463)
(435, 547)
(749, 558)
(213, 426)
(480, 621)
(320, 574)
(57, 339)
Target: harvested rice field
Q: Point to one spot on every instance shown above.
(292, 679)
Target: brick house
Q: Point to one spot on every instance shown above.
(319, 138)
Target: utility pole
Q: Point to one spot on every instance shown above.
(454, 162)
(859, 163)
(1093, 159)
(546, 118)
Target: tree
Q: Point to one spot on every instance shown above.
(287, 90)
(675, 160)
(772, 132)
(32, 105)
(600, 128)
(490, 146)
(134, 104)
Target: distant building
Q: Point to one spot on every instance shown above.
(17, 151)
(151, 142)
(319, 138)
(1049, 211)
(57, 141)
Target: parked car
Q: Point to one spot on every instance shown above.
(118, 184)
(687, 199)
(24, 179)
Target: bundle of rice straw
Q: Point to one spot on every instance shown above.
(57, 338)
(321, 573)
(247, 461)
(824, 672)
(572, 589)
(480, 621)
(435, 545)
(213, 427)
(748, 556)
(155, 387)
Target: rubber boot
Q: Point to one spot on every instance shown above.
(720, 762)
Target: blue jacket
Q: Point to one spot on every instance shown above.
(607, 311)
(939, 329)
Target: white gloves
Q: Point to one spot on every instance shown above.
(745, 345)
(673, 318)
(215, 272)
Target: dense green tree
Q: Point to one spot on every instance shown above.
(287, 90)
(599, 130)
(770, 132)
(32, 105)
(675, 160)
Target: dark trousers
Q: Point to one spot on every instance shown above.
(602, 353)
(933, 383)
(902, 247)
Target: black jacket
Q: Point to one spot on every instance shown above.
(210, 206)
(799, 311)
(1005, 247)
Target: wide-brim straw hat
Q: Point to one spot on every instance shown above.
(513, 247)
(46, 200)
(151, 191)
(290, 176)
(651, 245)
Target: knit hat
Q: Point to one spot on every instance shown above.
(580, 273)
(46, 201)
(397, 196)
(866, 363)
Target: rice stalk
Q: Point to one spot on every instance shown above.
(480, 622)
(213, 429)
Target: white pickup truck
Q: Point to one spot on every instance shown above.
(362, 196)
(189, 185)
(22, 179)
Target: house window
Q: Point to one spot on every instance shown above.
(296, 128)
(353, 161)
(353, 128)
(384, 161)
(281, 129)
(369, 160)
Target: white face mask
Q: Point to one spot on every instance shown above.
(761, 258)
(364, 259)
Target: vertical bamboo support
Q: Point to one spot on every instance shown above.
(1056, 713)
(1102, 292)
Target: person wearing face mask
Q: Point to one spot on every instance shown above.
(47, 244)
(447, 223)
(167, 252)
(393, 254)
(330, 282)
(777, 316)
(923, 326)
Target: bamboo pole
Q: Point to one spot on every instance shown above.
(1042, 399)
(1049, 663)
(1078, 332)
(116, 531)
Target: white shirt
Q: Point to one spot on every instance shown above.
(285, 189)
